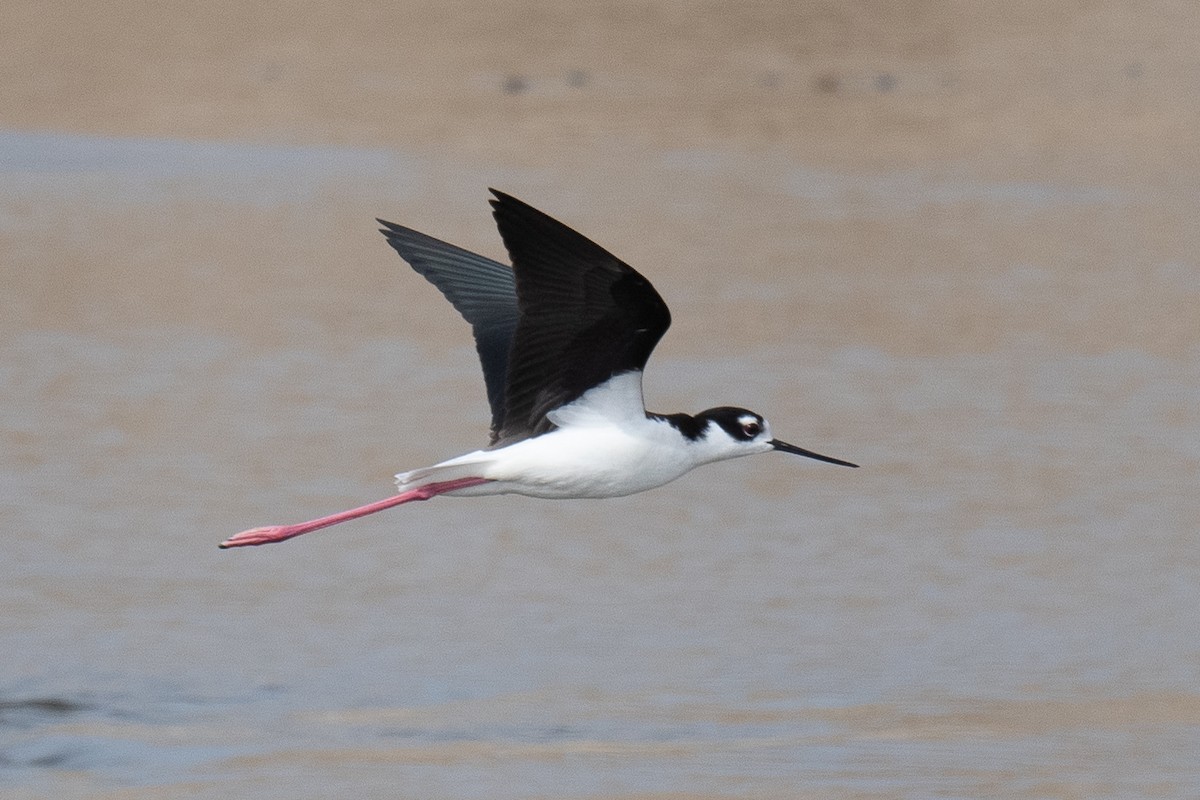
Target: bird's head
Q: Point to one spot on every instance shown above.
(730, 432)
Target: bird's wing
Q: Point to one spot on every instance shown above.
(482, 290)
(585, 316)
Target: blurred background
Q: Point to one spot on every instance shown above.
(955, 243)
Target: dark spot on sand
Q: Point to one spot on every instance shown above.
(827, 82)
(515, 84)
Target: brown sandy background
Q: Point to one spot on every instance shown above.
(590, 98)
(955, 242)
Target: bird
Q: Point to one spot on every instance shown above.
(563, 336)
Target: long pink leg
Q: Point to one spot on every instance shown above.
(279, 533)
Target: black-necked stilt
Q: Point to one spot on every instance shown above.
(563, 336)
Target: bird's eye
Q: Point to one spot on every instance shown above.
(751, 429)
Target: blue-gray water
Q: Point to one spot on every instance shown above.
(1003, 601)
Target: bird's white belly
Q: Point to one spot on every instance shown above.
(600, 461)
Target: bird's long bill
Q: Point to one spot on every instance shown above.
(784, 447)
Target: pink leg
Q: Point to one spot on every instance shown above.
(278, 533)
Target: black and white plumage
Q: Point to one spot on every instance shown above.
(563, 337)
(584, 315)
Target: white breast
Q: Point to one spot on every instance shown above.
(591, 461)
(604, 446)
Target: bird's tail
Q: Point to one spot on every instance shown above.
(464, 466)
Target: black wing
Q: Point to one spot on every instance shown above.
(482, 290)
(585, 316)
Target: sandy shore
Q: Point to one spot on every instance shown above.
(684, 116)
(1024, 89)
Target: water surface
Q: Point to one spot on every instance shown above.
(198, 338)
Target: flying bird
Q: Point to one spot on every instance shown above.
(563, 336)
